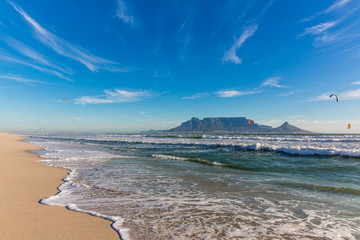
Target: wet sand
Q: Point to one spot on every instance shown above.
(23, 183)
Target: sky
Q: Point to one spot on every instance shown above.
(134, 65)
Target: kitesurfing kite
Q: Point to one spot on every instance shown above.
(249, 121)
(65, 100)
(349, 125)
(337, 98)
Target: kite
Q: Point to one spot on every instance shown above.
(249, 121)
(65, 100)
(337, 98)
(349, 125)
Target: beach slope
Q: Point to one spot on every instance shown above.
(23, 182)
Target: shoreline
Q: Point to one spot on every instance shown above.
(24, 181)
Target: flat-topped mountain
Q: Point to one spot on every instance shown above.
(232, 125)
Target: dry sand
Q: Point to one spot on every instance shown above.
(23, 182)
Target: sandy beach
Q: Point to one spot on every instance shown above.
(23, 182)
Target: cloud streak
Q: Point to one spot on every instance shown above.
(234, 93)
(21, 79)
(333, 7)
(30, 53)
(341, 30)
(116, 96)
(230, 54)
(272, 82)
(317, 29)
(12, 59)
(286, 94)
(196, 96)
(336, 5)
(64, 48)
(122, 13)
(348, 95)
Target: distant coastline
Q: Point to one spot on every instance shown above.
(232, 125)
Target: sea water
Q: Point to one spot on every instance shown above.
(161, 186)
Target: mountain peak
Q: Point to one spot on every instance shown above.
(287, 128)
(232, 125)
(285, 124)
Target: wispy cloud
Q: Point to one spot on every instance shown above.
(285, 94)
(12, 59)
(322, 97)
(317, 29)
(183, 38)
(270, 82)
(341, 27)
(355, 83)
(196, 96)
(273, 82)
(234, 93)
(116, 96)
(65, 48)
(348, 95)
(336, 5)
(249, 29)
(30, 53)
(122, 13)
(230, 54)
(21, 79)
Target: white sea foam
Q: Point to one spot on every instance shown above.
(169, 157)
(117, 221)
(186, 159)
(347, 145)
(204, 203)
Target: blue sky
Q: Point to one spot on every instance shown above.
(139, 65)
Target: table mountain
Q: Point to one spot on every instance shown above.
(232, 125)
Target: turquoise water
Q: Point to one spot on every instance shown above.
(212, 187)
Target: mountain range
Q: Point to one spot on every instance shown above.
(232, 125)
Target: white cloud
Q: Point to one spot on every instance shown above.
(286, 94)
(317, 29)
(272, 82)
(233, 93)
(195, 96)
(122, 13)
(64, 48)
(336, 5)
(332, 8)
(356, 83)
(116, 96)
(348, 95)
(12, 59)
(322, 97)
(230, 55)
(21, 79)
(30, 53)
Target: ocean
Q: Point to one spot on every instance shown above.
(172, 186)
